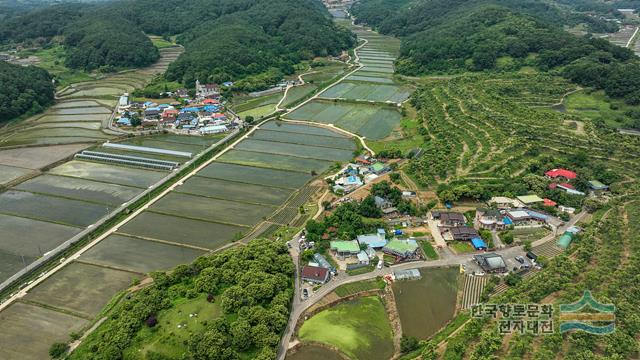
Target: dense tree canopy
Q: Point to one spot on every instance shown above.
(24, 89)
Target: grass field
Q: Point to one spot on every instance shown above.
(356, 287)
(142, 256)
(462, 247)
(253, 175)
(175, 327)
(258, 112)
(53, 59)
(373, 122)
(181, 230)
(596, 105)
(225, 211)
(80, 189)
(429, 251)
(359, 328)
(28, 331)
(81, 288)
(297, 93)
(109, 173)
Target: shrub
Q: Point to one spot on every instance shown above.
(57, 350)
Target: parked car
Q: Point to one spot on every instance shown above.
(520, 259)
(305, 293)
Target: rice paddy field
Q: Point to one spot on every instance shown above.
(259, 176)
(11, 173)
(275, 161)
(359, 328)
(427, 304)
(371, 121)
(367, 92)
(109, 173)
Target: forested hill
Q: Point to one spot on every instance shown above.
(224, 39)
(24, 89)
(453, 36)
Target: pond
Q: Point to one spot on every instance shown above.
(427, 304)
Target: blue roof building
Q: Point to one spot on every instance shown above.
(478, 244)
(377, 240)
(124, 121)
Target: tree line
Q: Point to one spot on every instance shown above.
(24, 90)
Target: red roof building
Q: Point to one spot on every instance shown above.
(548, 202)
(315, 274)
(210, 102)
(561, 173)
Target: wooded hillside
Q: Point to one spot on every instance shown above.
(24, 89)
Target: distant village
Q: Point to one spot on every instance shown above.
(203, 114)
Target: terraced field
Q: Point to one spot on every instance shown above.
(84, 109)
(212, 209)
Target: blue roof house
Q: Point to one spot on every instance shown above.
(478, 244)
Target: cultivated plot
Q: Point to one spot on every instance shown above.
(38, 157)
(374, 122)
(10, 173)
(80, 189)
(254, 175)
(304, 139)
(87, 125)
(11, 264)
(281, 148)
(81, 288)
(301, 129)
(235, 191)
(76, 104)
(365, 91)
(28, 331)
(81, 110)
(32, 238)
(49, 208)
(217, 210)
(167, 145)
(68, 118)
(275, 161)
(372, 79)
(142, 256)
(109, 173)
(209, 235)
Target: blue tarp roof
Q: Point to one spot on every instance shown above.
(537, 215)
(507, 221)
(153, 108)
(478, 243)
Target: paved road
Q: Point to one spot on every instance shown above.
(447, 259)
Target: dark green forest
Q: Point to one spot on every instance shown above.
(254, 40)
(23, 90)
(252, 284)
(458, 36)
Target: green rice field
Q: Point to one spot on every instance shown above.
(258, 176)
(209, 235)
(304, 139)
(359, 328)
(109, 173)
(427, 304)
(53, 209)
(282, 148)
(234, 191)
(80, 189)
(297, 93)
(374, 122)
(275, 161)
(141, 256)
(201, 208)
(81, 288)
(365, 91)
(28, 331)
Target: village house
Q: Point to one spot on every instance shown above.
(489, 219)
(322, 262)
(345, 249)
(502, 202)
(596, 187)
(379, 168)
(207, 91)
(525, 218)
(375, 241)
(560, 174)
(566, 187)
(315, 274)
(461, 233)
(385, 205)
(528, 200)
(401, 249)
(449, 219)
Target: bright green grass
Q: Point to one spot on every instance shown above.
(429, 251)
(243, 104)
(407, 138)
(360, 328)
(52, 60)
(356, 287)
(166, 338)
(160, 43)
(462, 247)
(258, 112)
(597, 105)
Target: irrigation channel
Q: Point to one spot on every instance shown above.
(106, 225)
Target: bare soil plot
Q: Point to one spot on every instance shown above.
(254, 175)
(49, 208)
(32, 238)
(225, 211)
(10, 173)
(298, 150)
(234, 191)
(304, 139)
(81, 288)
(109, 173)
(80, 189)
(28, 331)
(297, 128)
(142, 256)
(38, 157)
(374, 122)
(275, 161)
(181, 230)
